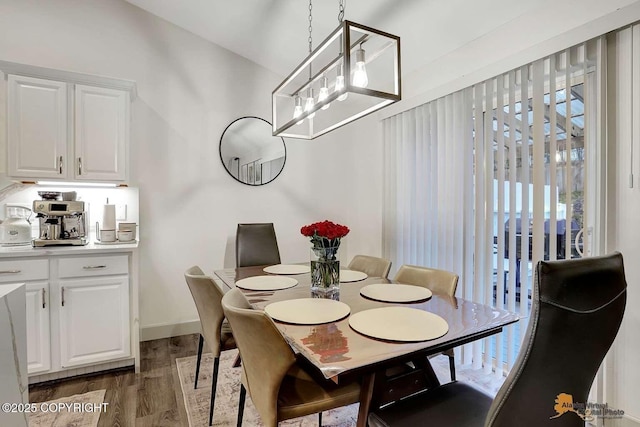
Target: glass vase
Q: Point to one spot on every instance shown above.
(325, 272)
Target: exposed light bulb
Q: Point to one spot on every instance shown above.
(360, 78)
(297, 110)
(340, 83)
(308, 106)
(324, 92)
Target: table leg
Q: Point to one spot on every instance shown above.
(366, 393)
(423, 364)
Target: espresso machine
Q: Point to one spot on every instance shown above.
(61, 223)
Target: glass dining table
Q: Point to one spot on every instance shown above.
(340, 353)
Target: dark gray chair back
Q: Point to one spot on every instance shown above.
(572, 326)
(256, 244)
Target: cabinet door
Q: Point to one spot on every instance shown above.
(37, 128)
(94, 320)
(101, 132)
(38, 337)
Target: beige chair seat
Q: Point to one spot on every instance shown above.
(301, 395)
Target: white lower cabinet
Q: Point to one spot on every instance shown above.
(94, 320)
(78, 309)
(38, 335)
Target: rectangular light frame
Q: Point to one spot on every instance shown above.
(283, 123)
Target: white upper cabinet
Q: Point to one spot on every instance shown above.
(37, 128)
(67, 131)
(101, 133)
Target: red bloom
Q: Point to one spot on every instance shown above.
(326, 229)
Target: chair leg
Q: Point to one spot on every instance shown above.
(243, 393)
(200, 344)
(452, 368)
(214, 384)
(237, 362)
(320, 419)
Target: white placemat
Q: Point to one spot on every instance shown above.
(287, 269)
(266, 283)
(307, 311)
(352, 276)
(386, 292)
(399, 324)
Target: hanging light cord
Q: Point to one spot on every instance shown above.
(340, 11)
(310, 34)
(310, 27)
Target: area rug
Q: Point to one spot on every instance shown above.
(77, 413)
(226, 407)
(196, 401)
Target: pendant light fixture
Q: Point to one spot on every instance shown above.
(355, 71)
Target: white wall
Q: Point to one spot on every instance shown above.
(623, 205)
(188, 91)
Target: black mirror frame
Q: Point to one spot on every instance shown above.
(229, 172)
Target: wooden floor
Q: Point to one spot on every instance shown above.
(150, 398)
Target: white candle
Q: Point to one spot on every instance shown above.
(109, 217)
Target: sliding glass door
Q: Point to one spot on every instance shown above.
(489, 180)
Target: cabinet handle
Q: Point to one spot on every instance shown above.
(60, 164)
(62, 291)
(79, 165)
(44, 303)
(10, 271)
(93, 267)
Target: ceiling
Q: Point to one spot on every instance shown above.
(274, 33)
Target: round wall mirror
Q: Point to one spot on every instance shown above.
(250, 153)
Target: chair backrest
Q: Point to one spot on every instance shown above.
(578, 306)
(208, 296)
(373, 266)
(439, 282)
(266, 356)
(256, 244)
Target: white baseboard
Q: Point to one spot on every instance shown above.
(167, 330)
(65, 373)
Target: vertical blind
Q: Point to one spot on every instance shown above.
(474, 181)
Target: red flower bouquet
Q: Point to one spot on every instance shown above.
(325, 229)
(325, 237)
(325, 267)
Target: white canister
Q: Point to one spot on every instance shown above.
(128, 226)
(125, 235)
(107, 235)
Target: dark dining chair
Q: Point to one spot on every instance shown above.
(208, 297)
(577, 310)
(277, 379)
(256, 244)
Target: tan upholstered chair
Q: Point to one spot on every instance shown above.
(256, 244)
(440, 282)
(278, 385)
(208, 296)
(373, 266)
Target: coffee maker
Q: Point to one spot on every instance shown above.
(61, 223)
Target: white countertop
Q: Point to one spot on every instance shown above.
(91, 248)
